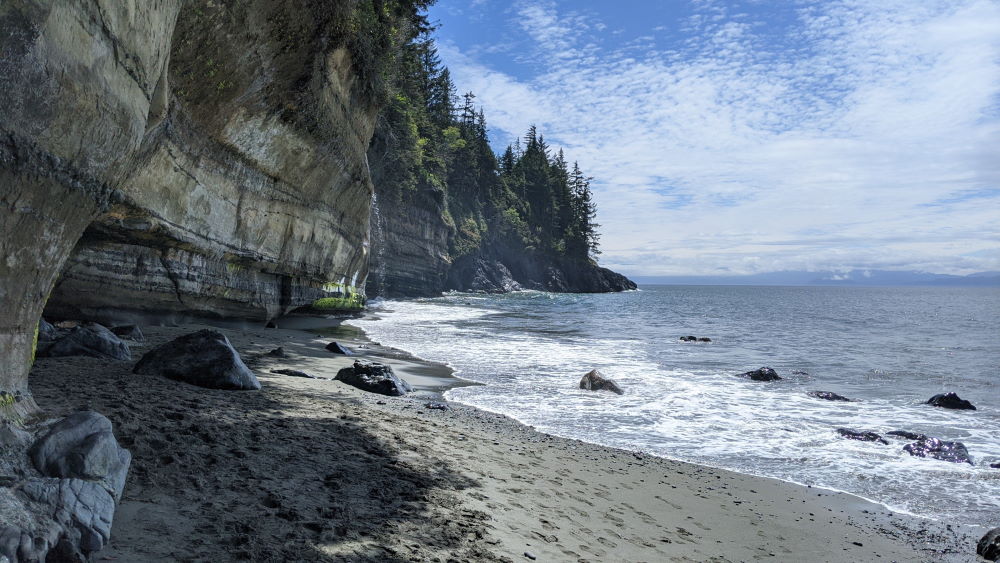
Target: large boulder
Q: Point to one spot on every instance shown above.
(762, 374)
(950, 401)
(84, 508)
(373, 377)
(828, 396)
(204, 358)
(989, 546)
(595, 381)
(861, 435)
(82, 446)
(955, 452)
(88, 339)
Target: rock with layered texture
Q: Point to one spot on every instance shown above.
(204, 358)
(83, 446)
(250, 196)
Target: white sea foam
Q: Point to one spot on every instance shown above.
(684, 402)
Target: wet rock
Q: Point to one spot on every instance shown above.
(82, 446)
(950, 401)
(704, 339)
(437, 406)
(373, 377)
(954, 452)
(688, 339)
(293, 373)
(204, 358)
(861, 435)
(906, 434)
(828, 396)
(46, 332)
(762, 374)
(989, 545)
(595, 381)
(278, 352)
(89, 339)
(336, 348)
(129, 332)
(995, 465)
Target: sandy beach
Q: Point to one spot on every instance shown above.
(316, 470)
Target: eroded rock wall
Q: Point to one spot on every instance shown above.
(78, 78)
(251, 194)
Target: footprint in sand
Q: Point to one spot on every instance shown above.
(606, 542)
(548, 526)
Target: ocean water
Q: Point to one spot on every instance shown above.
(890, 348)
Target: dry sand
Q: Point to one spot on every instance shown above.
(315, 470)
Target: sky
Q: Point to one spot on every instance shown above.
(741, 137)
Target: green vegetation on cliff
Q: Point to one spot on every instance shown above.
(431, 151)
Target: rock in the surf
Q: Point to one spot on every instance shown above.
(829, 396)
(689, 339)
(373, 377)
(954, 452)
(337, 348)
(906, 434)
(950, 401)
(989, 546)
(861, 435)
(995, 465)
(762, 374)
(88, 339)
(204, 358)
(595, 381)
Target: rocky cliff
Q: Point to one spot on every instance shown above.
(194, 157)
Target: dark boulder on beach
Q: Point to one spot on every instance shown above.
(906, 434)
(762, 374)
(950, 401)
(595, 381)
(204, 358)
(336, 348)
(829, 396)
(989, 546)
(88, 339)
(278, 352)
(861, 435)
(129, 332)
(373, 377)
(954, 452)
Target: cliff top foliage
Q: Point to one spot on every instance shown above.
(431, 150)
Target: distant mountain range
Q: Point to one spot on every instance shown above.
(861, 278)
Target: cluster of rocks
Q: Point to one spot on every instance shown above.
(695, 339)
(59, 486)
(85, 339)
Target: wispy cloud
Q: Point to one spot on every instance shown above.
(854, 134)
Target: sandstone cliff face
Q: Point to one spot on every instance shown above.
(78, 79)
(251, 196)
(166, 156)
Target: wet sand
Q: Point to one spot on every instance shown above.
(315, 470)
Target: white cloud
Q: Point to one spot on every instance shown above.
(866, 138)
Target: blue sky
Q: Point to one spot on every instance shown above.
(756, 136)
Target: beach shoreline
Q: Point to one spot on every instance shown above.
(313, 469)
